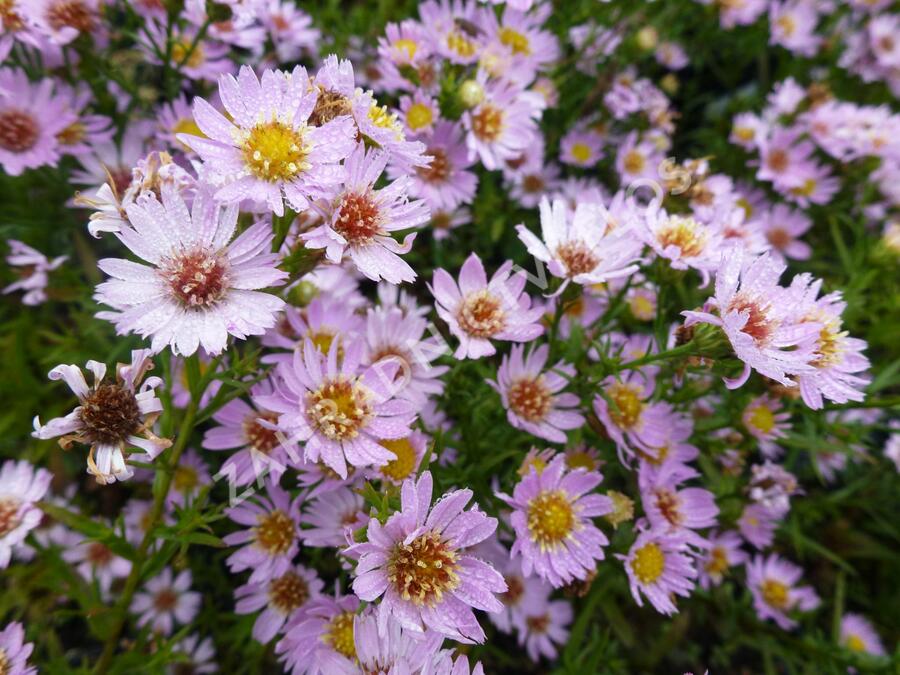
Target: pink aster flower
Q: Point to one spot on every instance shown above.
(199, 286)
(394, 649)
(586, 248)
(253, 431)
(166, 601)
(362, 219)
(773, 486)
(858, 635)
(544, 626)
(95, 562)
(684, 241)
(762, 319)
(533, 398)
(773, 583)
(198, 656)
(757, 525)
(340, 411)
(14, 651)
(420, 112)
(110, 417)
(332, 517)
(270, 150)
(783, 227)
(326, 318)
(417, 564)
(670, 507)
(279, 598)
(21, 486)
(478, 311)
(272, 538)
(552, 517)
(447, 181)
(659, 567)
(723, 552)
(764, 419)
(32, 115)
(581, 147)
(792, 25)
(501, 126)
(34, 267)
(319, 639)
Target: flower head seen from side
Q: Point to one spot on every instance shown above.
(659, 567)
(272, 537)
(267, 151)
(200, 286)
(319, 639)
(110, 417)
(332, 517)
(279, 598)
(858, 635)
(14, 651)
(762, 320)
(166, 601)
(21, 486)
(773, 583)
(532, 396)
(417, 564)
(479, 311)
(552, 517)
(362, 219)
(393, 649)
(340, 411)
(585, 248)
(33, 267)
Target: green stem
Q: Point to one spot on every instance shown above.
(120, 609)
(675, 352)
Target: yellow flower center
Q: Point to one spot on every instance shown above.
(515, 40)
(187, 125)
(775, 593)
(806, 189)
(580, 459)
(634, 161)
(406, 46)
(460, 44)
(288, 592)
(180, 50)
(648, 563)
(717, 564)
(623, 508)
(423, 570)
(340, 635)
(745, 134)
(642, 307)
(628, 404)
(382, 118)
(275, 532)
(72, 134)
(274, 151)
(487, 123)
(856, 643)
(185, 478)
(419, 116)
(480, 314)
(581, 152)
(551, 518)
(762, 419)
(405, 464)
(829, 345)
(685, 233)
(339, 409)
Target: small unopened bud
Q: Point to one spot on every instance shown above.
(669, 83)
(647, 38)
(302, 294)
(471, 93)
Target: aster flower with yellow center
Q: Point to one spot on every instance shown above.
(417, 564)
(773, 583)
(859, 635)
(659, 567)
(280, 598)
(319, 638)
(767, 422)
(552, 518)
(266, 150)
(724, 552)
(14, 651)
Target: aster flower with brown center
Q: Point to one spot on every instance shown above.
(200, 286)
(417, 564)
(166, 601)
(111, 416)
(21, 485)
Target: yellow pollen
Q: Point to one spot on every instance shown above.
(406, 46)
(384, 119)
(581, 152)
(530, 399)
(515, 40)
(856, 643)
(487, 123)
(179, 52)
(423, 570)
(685, 233)
(480, 314)
(419, 116)
(787, 24)
(628, 404)
(648, 563)
(634, 161)
(340, 635)
(642, 307)
(717, 564)
(406, 461)
(460, 44)
(829, 345)
(806, 189)
(745, 134)
(274, 151)
(775, 593)
(762, 419)
(580, 459)
(623, 508)
(288, 592)
(551, 518)
(339, 409)
(275, 532)
(185, 478)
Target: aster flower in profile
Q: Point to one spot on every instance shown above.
(33, 269)
(340, 411)
(319, 639)
(95, 562)
(762, 320)
(270, 152)
(394, 648)
(417, 564)
(773, 583)
(552, 517)
(279, 598)
(32, 115)
(586, 248)
(533, 397)
(110, 417)
(723, 552)
(272, 537)
(166, 601)
(858, 635)
(14, 651)
(200, 286)
(659, 567)
(479, 311)
(362, 219)
(450, 662)
(21, 486)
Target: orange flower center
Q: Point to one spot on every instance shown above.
(423, 570)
